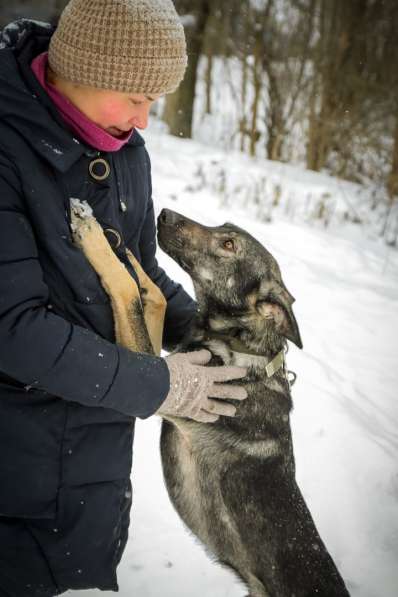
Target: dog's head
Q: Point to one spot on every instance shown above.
(232, 273)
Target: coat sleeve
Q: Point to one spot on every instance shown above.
(41, 349)
(181, 308)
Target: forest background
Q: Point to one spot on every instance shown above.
(312, 83)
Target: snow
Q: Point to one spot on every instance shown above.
(51, 148)
(345, 420)
(41, 23)
(81, 208)
(188, 20)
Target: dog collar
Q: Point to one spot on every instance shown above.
(278, 362)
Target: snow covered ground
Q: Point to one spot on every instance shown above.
(345, 421)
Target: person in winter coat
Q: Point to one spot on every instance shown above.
(71, 101)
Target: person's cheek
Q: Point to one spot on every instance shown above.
(112, 114)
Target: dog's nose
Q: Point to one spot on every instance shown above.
(169, 217)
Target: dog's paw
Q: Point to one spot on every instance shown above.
(80, 209)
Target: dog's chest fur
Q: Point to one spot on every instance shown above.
(261, 428)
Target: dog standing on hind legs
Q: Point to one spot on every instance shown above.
(232, 482)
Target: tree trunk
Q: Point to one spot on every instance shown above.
(392, 182)
(243, 54)
(243, 119)
(257, 94)
(335, 62)
(58, 7)
(178, 111)
(208, 82)
(260, 26)
(275, 117)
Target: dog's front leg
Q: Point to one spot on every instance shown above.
(154, 304)
(130, 327)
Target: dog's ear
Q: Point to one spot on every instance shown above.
(275, 293)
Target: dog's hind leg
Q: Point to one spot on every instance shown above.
(281, 543)
(253, 584)
(192, 478)
(256, 588)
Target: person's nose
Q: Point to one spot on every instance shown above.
(140, 118)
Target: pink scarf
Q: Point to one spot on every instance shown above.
(82, 126)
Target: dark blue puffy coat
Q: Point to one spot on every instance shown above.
(68, 394)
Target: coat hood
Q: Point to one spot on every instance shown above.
(24, 104)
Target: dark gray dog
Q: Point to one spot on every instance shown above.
(233, 482)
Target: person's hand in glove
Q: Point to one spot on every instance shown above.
(193, 387)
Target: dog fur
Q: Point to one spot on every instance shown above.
(233, 482)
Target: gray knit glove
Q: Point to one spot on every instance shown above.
(193, 386)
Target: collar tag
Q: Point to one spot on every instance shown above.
(276, 363)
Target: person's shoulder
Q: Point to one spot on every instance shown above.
(136, 140)
(138, 151)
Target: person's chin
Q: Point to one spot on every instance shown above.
(116, 132)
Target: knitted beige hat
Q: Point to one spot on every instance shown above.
(134, 46)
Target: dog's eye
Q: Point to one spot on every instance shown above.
(229, 245)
